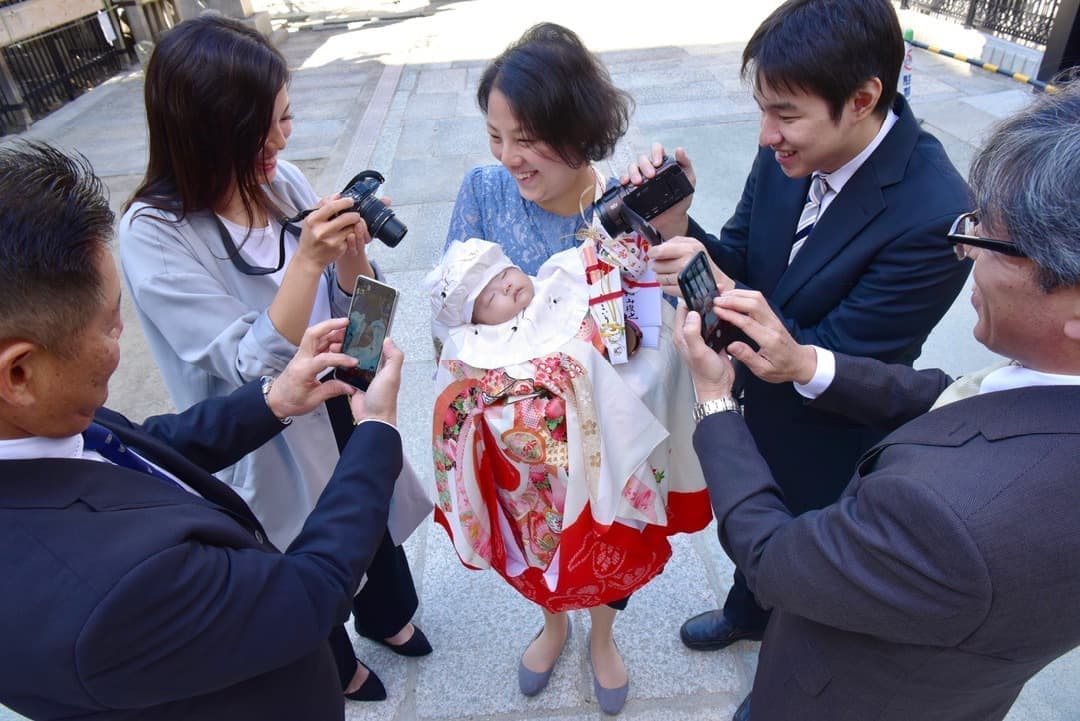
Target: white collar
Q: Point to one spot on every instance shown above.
(1017, 376)
(17, 449)
(839, 177)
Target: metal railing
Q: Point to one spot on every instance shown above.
(57, 66)
(1028, 21)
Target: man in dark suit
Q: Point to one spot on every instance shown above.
(840, 225)
(946, 575)
(136, 585)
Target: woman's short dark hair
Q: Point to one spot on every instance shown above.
(828, 48)
(210, 89)
(560, 93)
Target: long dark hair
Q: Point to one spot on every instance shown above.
(210, 89)
(560, 93)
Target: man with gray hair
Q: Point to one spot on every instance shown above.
(946, 575)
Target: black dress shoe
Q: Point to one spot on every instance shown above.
(743, 712)
(417, 645)
(711, 631)
(371, 690)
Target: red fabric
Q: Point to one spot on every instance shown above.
(599, 564)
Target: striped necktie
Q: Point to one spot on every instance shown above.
(101, 440)
(818, 187)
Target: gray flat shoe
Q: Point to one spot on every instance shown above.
(533, 682)
(611, 700)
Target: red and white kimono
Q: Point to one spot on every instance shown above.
(563, 473)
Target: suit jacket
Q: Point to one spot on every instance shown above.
(944, 577)
(126, 597)
(873, 279)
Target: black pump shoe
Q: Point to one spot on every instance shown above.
(417, 645)
(371, 690)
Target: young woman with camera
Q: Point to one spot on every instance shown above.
(551, 111)
(224, 287)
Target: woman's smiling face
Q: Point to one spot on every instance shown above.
(541, 175)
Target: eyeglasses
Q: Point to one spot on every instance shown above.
(962, 234)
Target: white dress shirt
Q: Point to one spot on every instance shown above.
(838, 178)
(1003, 379)
(16, 449)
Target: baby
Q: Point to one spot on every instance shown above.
(549, 467)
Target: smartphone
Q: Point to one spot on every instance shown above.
(370, 316)
(699, 289)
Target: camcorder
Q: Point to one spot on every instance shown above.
(626, 207)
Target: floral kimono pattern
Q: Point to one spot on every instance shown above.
(557, 475)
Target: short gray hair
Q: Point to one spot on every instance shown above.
(1026, 182)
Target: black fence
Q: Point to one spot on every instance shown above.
(57, 66)
(1027, 21)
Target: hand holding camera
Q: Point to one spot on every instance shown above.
(630, 207)
(673, 219)
(380, 220)
(331, 230)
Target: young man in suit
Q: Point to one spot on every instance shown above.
(136, 585)
(841, 227)
(946, 575)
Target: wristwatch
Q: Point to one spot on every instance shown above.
(716, 405)
(268, 381)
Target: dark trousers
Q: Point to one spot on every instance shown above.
(741, 608)
(382, 607)
(388, 600)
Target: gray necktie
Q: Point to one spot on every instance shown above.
(818, 187)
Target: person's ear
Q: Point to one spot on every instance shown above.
(17, 364)
(865, 98)
(1072, 329)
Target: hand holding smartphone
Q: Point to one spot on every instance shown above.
(370, 315)
(699, 289)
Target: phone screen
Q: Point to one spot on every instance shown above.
(370, 315)
(699, 288)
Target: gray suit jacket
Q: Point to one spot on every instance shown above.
(946, 575)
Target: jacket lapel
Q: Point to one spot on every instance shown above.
(860, 201)
(203, 483)
(846, 216)
(787, 198)
(1050, 410)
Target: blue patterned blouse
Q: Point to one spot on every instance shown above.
(489, 206)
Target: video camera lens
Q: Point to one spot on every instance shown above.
(645, 201)
(380, 219)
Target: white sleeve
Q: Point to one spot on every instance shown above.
(823, 375)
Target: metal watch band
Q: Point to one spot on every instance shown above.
(268, 381)
(716, 405)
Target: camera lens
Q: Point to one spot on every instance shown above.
(609, 208)
(381, 222)
(380, 219)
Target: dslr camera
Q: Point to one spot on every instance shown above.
(648, 200)
(380, 220)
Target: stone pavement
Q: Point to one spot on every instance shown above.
(394, 91)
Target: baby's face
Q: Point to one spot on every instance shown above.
(506, 295)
